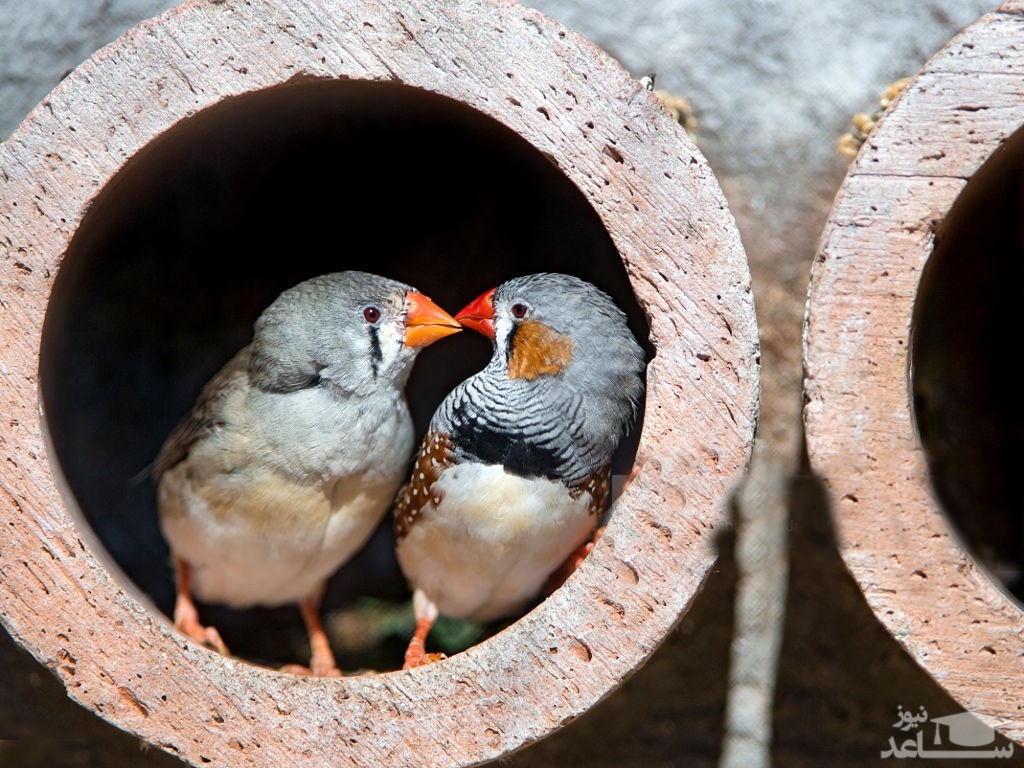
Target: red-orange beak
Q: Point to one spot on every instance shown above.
(425, 322)
(478, 315)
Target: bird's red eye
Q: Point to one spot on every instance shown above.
(519, 311)
(371, 314)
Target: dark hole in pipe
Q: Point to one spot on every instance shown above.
(967, 330)
(207, 224)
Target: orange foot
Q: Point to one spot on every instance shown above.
(426, 614)
(321, 662)
(186, 615)
(572, 562)
(420, 658)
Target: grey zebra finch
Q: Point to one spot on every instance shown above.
(293, 452)
(514, 472)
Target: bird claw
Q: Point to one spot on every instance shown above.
(316, 671)
(208, 637)
(213, 639)
(186, 615)
(419, 658)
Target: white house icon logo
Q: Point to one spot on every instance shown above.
(955, 736)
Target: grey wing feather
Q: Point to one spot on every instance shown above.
(204, 417)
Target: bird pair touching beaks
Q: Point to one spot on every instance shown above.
(299, 446)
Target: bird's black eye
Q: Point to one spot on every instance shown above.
(519, 311)
(371, 314)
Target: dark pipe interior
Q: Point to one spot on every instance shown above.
(968, 326)
(207, 224)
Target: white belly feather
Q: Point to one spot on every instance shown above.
(275, 541)
(494, 541)
(263, 533)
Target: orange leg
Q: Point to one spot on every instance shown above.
(321, 661)
(426, 614)
(186, 615)
(572, 562)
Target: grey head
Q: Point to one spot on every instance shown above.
(352, 331)
(551, 325)
(562, 386)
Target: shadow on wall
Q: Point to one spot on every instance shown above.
(842, 676)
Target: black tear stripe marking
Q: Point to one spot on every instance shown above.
(510, 342)
(376, 357)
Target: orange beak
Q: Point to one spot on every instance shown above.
(478, 315)
(425, 322)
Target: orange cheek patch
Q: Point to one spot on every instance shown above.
(538, 351)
